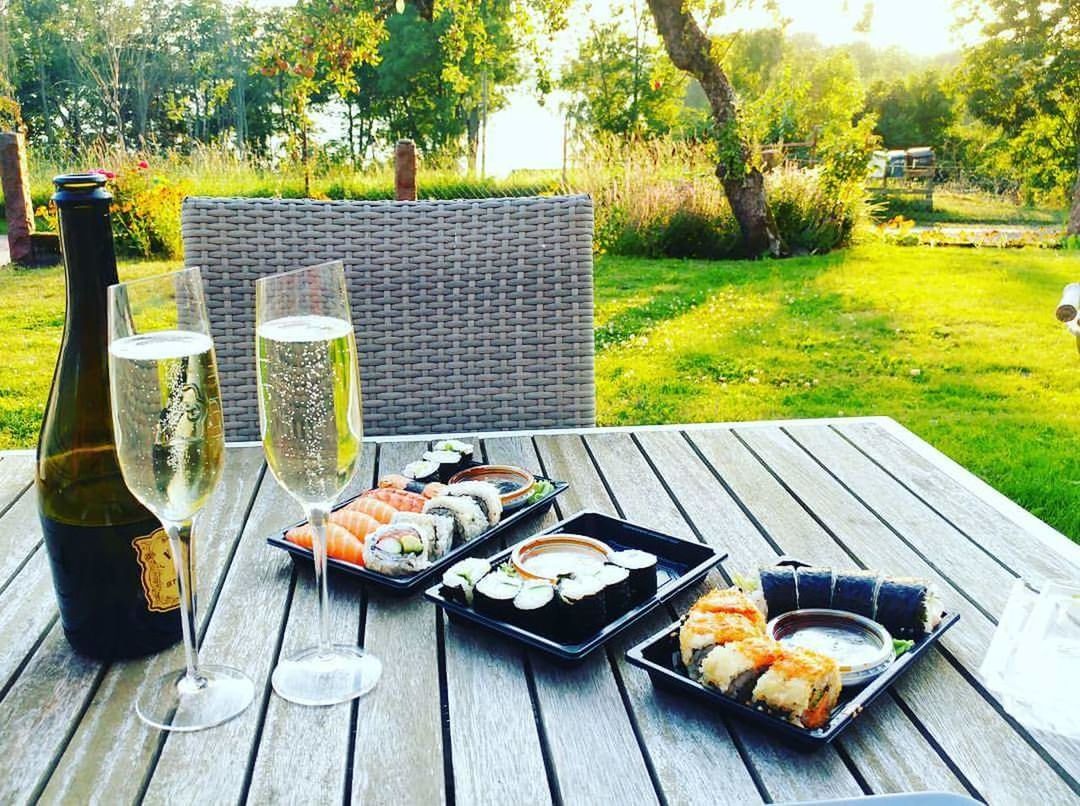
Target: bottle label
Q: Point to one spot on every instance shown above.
(158, 575)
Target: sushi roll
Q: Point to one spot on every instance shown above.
(734, 668)
(448, 463)
(856, 592)
(459, 581)
(469, 519)
(801, 686)
(484, 493)
(463, 449)
(730, 600)
(616, 581)
(778, 587)
(702, 630)
(437, 530)
(396, 549)
(494, 594)
(908, 608)
(814, 587)
(581, 607)
(421, 471)
(642, 568)
(535, 607)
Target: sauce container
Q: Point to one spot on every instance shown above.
(515, 483)
(551, 556)
(862, 648)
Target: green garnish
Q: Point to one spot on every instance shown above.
(900, 646)
(542, 489)
(747, 584)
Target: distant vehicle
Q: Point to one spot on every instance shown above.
(901, 163)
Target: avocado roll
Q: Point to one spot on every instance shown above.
(535, 608)
(581, 607)
(494, 595)
(814, 587)
(856, 592)
(397, 549)
(908, 608)
(437, 530)
(617, 593)
(778, 587)
(641, 566)
(460, 579)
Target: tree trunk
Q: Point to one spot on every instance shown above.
(1074, 211)
(691, 51)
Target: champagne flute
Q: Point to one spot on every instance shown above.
(166, 411)
(309, 413)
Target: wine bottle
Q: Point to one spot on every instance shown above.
(111, 565)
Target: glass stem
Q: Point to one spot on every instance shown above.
(184, 559)
(318, 517)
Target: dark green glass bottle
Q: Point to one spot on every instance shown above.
(111, 567)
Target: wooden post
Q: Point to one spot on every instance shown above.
(18, 207)
(405, 170)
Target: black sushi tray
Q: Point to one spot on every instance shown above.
(659, 656)
(406, 585)
(680, 563)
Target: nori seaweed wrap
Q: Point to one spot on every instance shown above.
(535, 608)
(582, 612)
(460, 579)
(814, 587)
(642, 568)
(494, 594)
(616, 581)
(778, 588)
(856, 592)
(907, 607)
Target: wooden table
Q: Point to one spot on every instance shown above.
(460, 716)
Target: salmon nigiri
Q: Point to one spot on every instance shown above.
(358, 523)
(379, 510)
(341, 544)
(398, 499)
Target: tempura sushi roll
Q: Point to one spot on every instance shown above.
(731, 600)
(908, 608)
(535, 606)
(617, 593)
(734, 668)
(494, 595)
(396, 549)
(484, 493)
(814, 587)
(778, 587)
(437, 529)
(469, 519)
(582, 611)
(801, 686)
(642, 568)
(702, 630)
(460, 579)
(856, 592)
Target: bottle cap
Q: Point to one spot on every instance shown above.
(80, 188)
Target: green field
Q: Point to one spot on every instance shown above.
(975, 208)
(960, 345)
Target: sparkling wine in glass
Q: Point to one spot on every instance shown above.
(309, 411)
(170, 441)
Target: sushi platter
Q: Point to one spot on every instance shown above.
(834, 642)
(575, 586)
(413, 525)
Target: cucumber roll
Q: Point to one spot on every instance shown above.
(814, 587)
(535, 608)
(484, 493)
(908, 608)
(448, 462)
(494, 595)
(856, 592)
(422, 471)
(616, 581)
(641, 566)
(581, 607)
(396, 549)
(463, 449)
(437, 530)
(778, 588)
(459, 581)
(469, 519)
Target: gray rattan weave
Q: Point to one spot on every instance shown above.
(469, 315)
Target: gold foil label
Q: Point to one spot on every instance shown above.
(158, 571)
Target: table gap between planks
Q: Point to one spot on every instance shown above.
(461, 716)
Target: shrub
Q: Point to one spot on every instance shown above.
(812, 214)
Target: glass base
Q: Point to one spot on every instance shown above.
(173, 702)
(312, 677)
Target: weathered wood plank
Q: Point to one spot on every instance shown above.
(111, 751)
(27, 611)
(311, 744)
(21, 535)
(399, 747)
(16, 478)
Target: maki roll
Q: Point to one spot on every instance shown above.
(642, 568)
(581, 605)
(702, 630)
(856, 592)
(460, 579)
(734, 668)
(484, 493)
(462, 449)
(469, 519)
(778, 587)
(616, 581)
(396, 549)
(448, 460)
(815, 587)
(494, 594)
(908, 608)
(535, 608)
(801, 686)
(421, 471)
(437, 530)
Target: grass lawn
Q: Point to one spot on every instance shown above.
(959, 345)
(970, 208)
